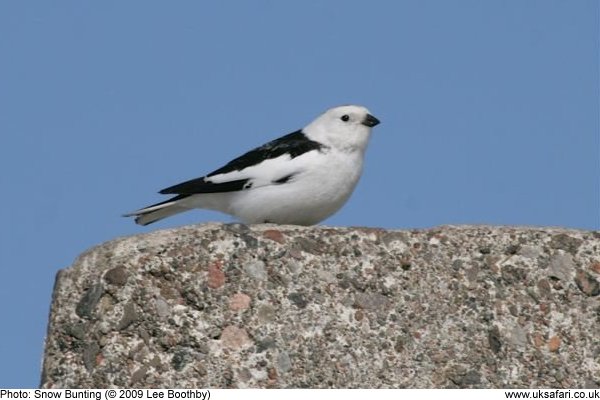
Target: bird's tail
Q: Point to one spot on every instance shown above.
(158, 211)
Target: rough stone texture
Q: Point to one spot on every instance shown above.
(280, 306)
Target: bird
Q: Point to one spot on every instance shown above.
(301, 178)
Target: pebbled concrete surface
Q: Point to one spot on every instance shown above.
(290, 307)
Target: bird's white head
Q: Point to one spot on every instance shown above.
(345, 128)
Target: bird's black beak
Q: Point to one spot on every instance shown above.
(370, 121)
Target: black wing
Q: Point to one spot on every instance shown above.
(294, 144)
(200, 185)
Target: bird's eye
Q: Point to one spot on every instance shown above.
(345, 118)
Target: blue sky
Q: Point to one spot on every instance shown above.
(489, 115)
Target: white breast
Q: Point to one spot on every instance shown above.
(317, 191)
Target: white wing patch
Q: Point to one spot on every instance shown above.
(269, 171)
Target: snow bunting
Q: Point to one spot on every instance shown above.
(300, 178)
